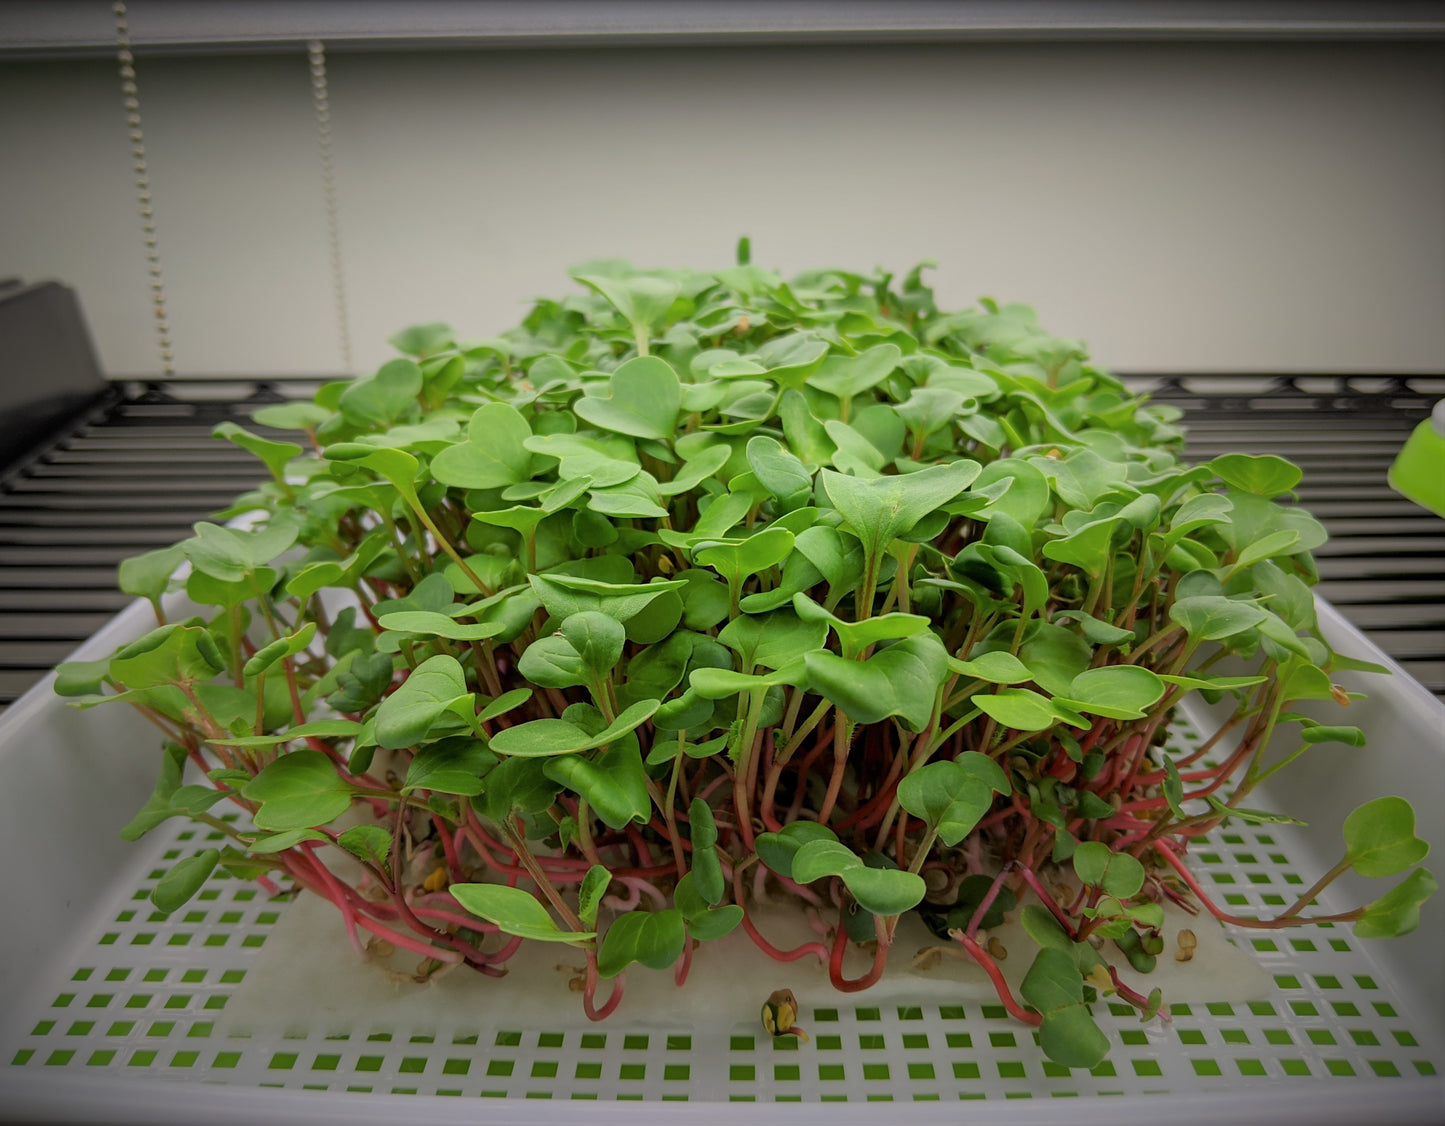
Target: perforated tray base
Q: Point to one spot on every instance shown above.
(141, 994)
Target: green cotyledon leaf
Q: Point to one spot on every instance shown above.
(734, 560)
(776, 850)
(951, 796)
(707, 870)
(435, 687)
(300, 790)
(883, 891)
(514, 911)
(1068, 1034)
(451, 766)
(854, 637)
(383, 397)
(494, 454)
(1118, 873)
(880, 509)
(274, 455)
(643, 300)
(1397, 912)
(645, 399)
(773, 640)
(183, 880)
(1264, 475)
(614, 784)
(1380, 838)
(564, 595)
(1115, 691)
(651, 938)
(544, 737)
(903, 679)
(279, 649)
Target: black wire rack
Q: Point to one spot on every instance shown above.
(136, 469)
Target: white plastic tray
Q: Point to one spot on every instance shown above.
(109, 1013)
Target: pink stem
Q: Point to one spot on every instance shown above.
(990, 967)
(589, 993)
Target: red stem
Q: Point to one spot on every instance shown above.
(589, 993)
(990, 967)
(840, 947)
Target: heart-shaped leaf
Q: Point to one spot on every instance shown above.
(614, 784)
(565, 595)
(274, 455)
(1117, 873)
(300, 790)
(1380, 838)
(279, 842)
(279, 649)
(1021, 709)
(848, 376)
(1068, 1033)
(233, 554)
(883, 508)
(855, 637)
(1213, 617)
(435, 687)
(431, 624)
(773, 640)
(493, 456)
(642, 300)
(950, 797)
(736, 560)
(882, 891)
(1115, 691)
(147, 576)
(999, 667)
(776, 850)
(697, 470)
(652, 939)
(903, 680)
(452, 766)
(781, 473)
(645, 399)
(385, 396)
(1264, 475)
(158, 806)
(597, 639)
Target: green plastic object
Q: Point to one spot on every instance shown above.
(1419, 471)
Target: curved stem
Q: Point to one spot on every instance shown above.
(589, 992)
(995, 975)
(840, 947)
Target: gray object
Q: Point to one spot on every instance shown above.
(49, 371)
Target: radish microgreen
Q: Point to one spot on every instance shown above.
(698, 581)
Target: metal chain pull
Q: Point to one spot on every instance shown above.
(320, 97)
(130, 94)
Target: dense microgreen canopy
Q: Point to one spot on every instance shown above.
(585, 632)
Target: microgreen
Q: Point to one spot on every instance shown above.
(694, 581)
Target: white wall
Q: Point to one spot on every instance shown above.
(1181, 207)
